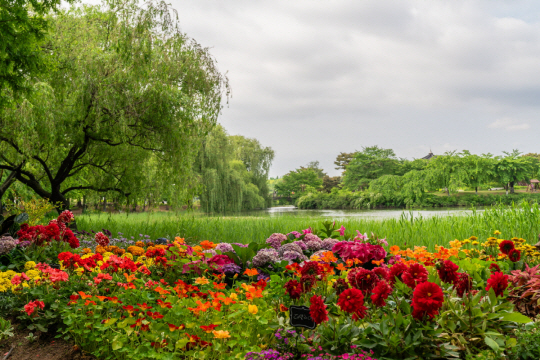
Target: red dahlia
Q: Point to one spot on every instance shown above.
(463, 283)
(317, 309)
(311, 268)
(427, 300)
(494, 267)
(381, 272)
(447, 271)
(506, 246)
(381, 293)
(514, 255)
(293, 289)
(351, 300)
(396, 271)
(498, 282)
(414, 275)
(365, 279)
(307, 282)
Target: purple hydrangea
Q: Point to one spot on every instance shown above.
(7, 243)
(231, 269)
(291, 247)
(241, 245)
(311, 237)
(301, 244)
(276, 239)
(264, 257)
(314, 245)
(224, 247)
(329, 243)
(293, 256)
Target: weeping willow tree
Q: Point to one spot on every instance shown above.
(232, 172)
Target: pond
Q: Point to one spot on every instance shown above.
(368, 214)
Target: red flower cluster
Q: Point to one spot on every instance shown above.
(414, 275)
(396, 271)
(363, 279)
(498, 282)
(506, 246)
(514, 255)
(102, 239)
(311, 268)
(352, 301)
(71, 261)
(463, 283)
(155, 252)
(427, 300)
(55, 230)
(32, 305)
(116, 262)
(381, 293)
(447, 271)
(317, 309)
(340, 286)
(494, 267)
(294, 289)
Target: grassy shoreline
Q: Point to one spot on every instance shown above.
(406, 231)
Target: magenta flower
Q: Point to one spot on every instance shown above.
(307, 231)
(341, 230)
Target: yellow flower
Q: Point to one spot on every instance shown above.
(29, 265)
(197, 248)
(221, 334)
(107, 254)
(496, 232)
(33, 274)
(201, 281)
(234, 296)
(127, 255)
(473, 238)
(10, 274)
(475, 242)
(79, 271)
(466, 241)
(253, 309)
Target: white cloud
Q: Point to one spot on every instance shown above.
(509, 124)
(312, 79)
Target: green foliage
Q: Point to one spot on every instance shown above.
(23, 28)
(528, 338)
(513, 168)
(369, 164)
(233, 172)
(6, 330)
(296, 182)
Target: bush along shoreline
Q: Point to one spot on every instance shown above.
(324, 292)
(344, 199)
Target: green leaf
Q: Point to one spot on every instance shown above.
(516, 317)
(116, 345)
(491, 343)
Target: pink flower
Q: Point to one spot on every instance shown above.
(16, 280)
(307, 231)
(341, 230)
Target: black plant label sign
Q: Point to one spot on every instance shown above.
(299, 317)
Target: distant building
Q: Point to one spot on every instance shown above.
(429, 156)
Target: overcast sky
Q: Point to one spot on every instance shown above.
(312, 78)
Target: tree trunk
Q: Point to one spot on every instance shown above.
(511, 187)
(448, 191)
(476, 188)
(4, 186)
(104, 204)
(506, 188)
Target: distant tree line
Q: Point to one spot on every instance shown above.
(375, 176)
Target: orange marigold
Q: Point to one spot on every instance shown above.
(135, 250)
(100, 250)
(139, 244)
(207, 245)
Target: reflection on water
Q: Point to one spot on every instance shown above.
(372, 214)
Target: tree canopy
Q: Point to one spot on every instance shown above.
(298, 181)
(128, 88)
(369, 164)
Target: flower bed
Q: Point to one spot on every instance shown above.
(365, 299)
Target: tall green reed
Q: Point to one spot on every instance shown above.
(521, 220)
